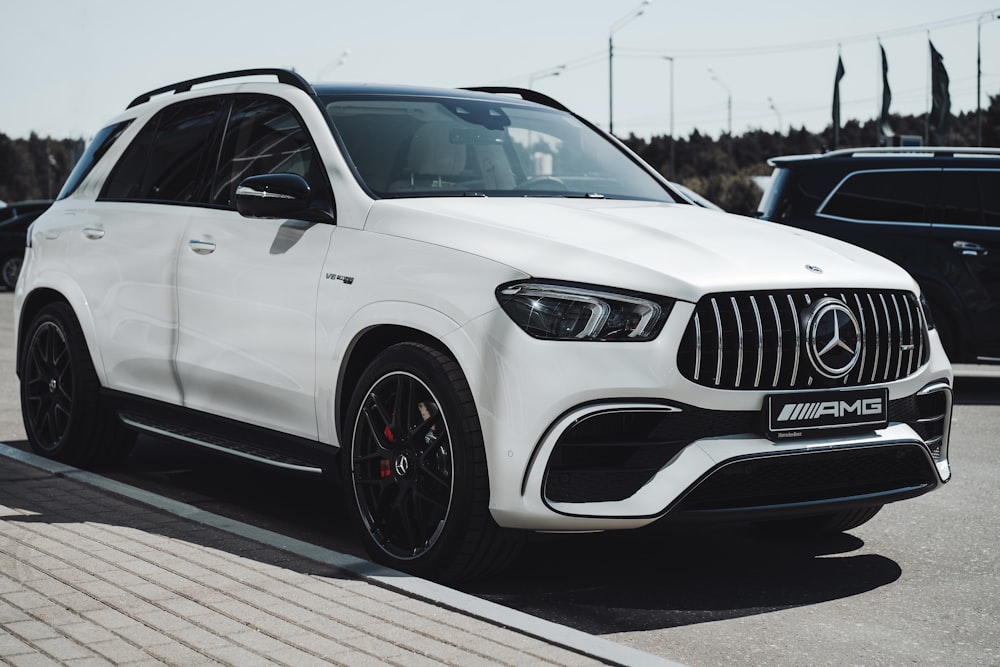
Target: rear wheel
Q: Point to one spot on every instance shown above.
(415, 468)
(63, 414)
(820, 524)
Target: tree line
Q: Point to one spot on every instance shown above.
(720, 169)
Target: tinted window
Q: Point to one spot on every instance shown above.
(104, 140)
(163, 162)
(961, 203)
(989, 185)
(889, 196)
(263, 136)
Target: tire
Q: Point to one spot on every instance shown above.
(820, 524)
(415, 474)
(9, 271)
(63, 414)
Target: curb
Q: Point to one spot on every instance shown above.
(428, 591)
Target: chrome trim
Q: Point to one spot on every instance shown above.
(894, 343)
(899, 330)
(697, 338)
(739, 335)
(777, 323)
(718, 328)
(798, 338)
(760, 341)
(871, 303)
(888, 336)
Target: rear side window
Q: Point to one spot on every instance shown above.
(883, 196)
(263, 136)
(961, 203)
(165, 159)
(104, 140)
(970, 198)
(989, 185)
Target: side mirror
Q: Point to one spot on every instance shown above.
(278, 196)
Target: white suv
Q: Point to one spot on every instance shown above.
(482, 313)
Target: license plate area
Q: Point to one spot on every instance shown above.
(799, 414)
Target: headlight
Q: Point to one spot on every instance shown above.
(579, 312)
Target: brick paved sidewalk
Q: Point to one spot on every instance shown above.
(88, 577)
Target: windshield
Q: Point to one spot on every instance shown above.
(418, 147)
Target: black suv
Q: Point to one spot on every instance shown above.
(14, 221)
(934, 211)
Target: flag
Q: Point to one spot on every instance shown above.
(885, 132)
(836, 101)
(937, 122)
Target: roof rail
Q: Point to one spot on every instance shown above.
(524, 93)
(937, 151)
(283, 76)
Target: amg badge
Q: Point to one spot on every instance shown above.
(792, 415)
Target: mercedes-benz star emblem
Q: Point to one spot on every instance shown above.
(402, 465)
(833, 337)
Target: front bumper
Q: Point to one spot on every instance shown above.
(604, 436)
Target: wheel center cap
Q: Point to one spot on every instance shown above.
(53, 385)
(402, 465)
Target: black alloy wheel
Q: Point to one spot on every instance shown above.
(63, 414)
(47, 387)
(402, 460)
(10, 271)
(415, 469)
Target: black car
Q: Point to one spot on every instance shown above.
(14, 221)
(934, 211)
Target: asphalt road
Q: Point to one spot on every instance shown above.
(918, 585)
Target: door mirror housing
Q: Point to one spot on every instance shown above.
(278, 196)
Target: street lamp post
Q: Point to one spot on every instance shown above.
(979, 74)
(781, 127)
(616, 26)
(729, 110)
(334, 65)
(671, 59)
(535, 76)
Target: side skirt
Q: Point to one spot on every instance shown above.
(245, 441)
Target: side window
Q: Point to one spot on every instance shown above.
(960, 199)
(884, 196)
(989, 186)
(164, 160)
(263, 136)
(104, 140)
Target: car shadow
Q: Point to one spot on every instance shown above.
(671, 576)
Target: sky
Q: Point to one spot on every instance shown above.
(68, 66)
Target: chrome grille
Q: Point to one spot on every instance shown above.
(756, 340)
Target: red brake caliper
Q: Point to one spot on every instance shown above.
(385, 468)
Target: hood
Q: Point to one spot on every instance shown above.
(675, 250)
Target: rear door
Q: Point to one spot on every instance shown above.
(123, 249)
(965, 240)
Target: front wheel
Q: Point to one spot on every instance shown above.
(415, 470)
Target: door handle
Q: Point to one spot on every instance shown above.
(93, 233)
(969, 249)
(201, 247)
